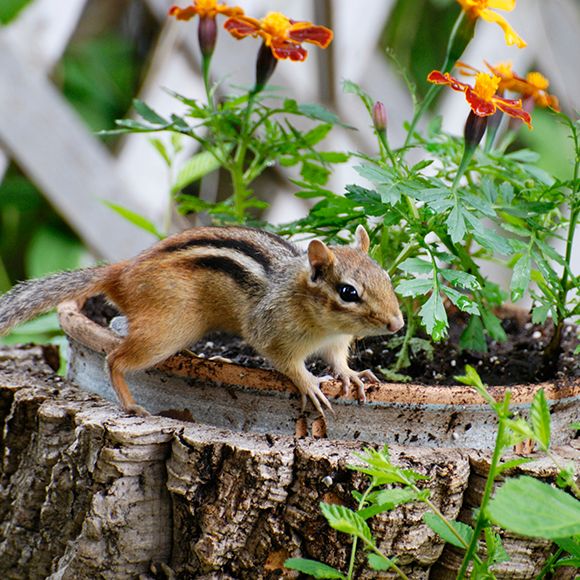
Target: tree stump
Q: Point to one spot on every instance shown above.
(87, 491)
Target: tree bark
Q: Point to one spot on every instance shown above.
(89, 492)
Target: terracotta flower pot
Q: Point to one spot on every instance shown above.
(234, 397)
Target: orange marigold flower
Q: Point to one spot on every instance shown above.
(484, 9)
(283, 36)
(482, 97)
(204, 9)
(534, 86)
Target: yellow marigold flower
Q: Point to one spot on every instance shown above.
(484, 9)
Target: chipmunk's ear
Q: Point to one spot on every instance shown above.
(361, 239)
(320, 256)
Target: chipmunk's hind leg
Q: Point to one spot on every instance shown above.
(141, 351)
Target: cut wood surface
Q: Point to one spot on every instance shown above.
(87, 491)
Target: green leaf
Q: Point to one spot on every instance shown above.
(318, 112)
(347, 521)
(161, 149)
(540, 313)
(314, 174)
(386, 500)
(195, 168)
(540, 419)
(135, 218)
(462, 279)
(414, 287)
(148, 113)
(568, 562)
(473, 337)
(533, 508)
(317, 134)
(521, 276)
(434, 317)
(512, 463)
(496, 553)
(416, 266)
(439, 527)
(493, 325)
(571, 545)
(313, 568)
(380, 563)
(463, 302)
(456, 223)
(575, 426)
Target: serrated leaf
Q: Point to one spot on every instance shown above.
(434, 317)
(506, 190)
(386, 500)
(463, 302)
(540, 419)
(540, 313)
(473, 337)
(313, 568)
(460, 278)
(440, 528)
(521, 277)
(415, 287)
(380, 563)
(355, 89)
(195, 168)
(493, 326)
(533, 508)
(317, 134)
(456, 224)
(496, 553)
(416, 266)
(347, 521)
(135, 218)
(314, 174)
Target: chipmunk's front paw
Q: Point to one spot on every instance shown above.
(355, 377)
(137, 410)
(314, 393)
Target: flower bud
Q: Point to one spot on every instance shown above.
(207, 34)
(265, 65)
(380, 117)
(474, 129)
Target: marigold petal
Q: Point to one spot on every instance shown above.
(183, 13)
(229, 10)
(288, 50)
(513, 109)
(242, 26)
(307, 32)
(439, 78)
(510, 35)
(506, 5)
(479, 106)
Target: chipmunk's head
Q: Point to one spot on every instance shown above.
(354, 293)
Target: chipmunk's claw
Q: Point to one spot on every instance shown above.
(355, 377)
(318, 398)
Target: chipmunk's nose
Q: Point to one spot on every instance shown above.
(396, 323)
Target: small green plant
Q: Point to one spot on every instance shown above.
(244, 133)
(522, 505)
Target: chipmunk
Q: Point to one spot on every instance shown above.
(286, 303)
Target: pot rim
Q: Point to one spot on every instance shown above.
(84, 330)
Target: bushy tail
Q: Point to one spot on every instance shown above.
(33, 297)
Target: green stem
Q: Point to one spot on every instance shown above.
(403, 355)
(395, 568)
(573, 486)
(384, 142)
(237, 171)
(481, 521)
(549, 564)
(205, 66)
(361, 504)
(464, 163)
(554, 344)
(452, 54)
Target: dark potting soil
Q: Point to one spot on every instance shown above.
(515, 361)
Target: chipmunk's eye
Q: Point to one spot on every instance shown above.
(348, 293)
